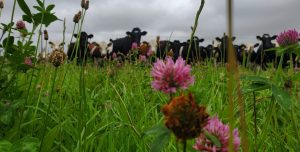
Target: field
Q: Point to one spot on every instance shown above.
(118, 107)
(62, 106)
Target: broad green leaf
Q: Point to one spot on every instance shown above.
(27, 18)
(160, 141)
(40, 3)
(50, 8)
(49, 138)
(47, 20)
(38, 8)
(154, 130)
(212, 138)
(8, 26)
(8, 42)
(24, 7)
(256, 79)
(5, 145)
(255, 87)
(282, 97)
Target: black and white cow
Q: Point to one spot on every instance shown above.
(194, 54)
(262, 57)
(207, 52)
(223, 47)
(168, 47)
(81, 53)
(122, 46)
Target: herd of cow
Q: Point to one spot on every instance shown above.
(122, 47)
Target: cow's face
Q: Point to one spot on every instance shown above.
(266, 40)
(176, 45)
(197, 41)
(55, 47)
(136, 35)
(84, 37)
(224, 39)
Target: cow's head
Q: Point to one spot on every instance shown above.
(84, 37)
(136, 35)
(197, 41)
(56, 47)
(266, 40)
(224, 39)
(176, 44)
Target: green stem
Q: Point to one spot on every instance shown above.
(9, 33)
(255, 124)
(195, 27)
(295, 125)
(184, 145)
(48, 109)
(32, 75)
(79, 35)
(81, 83)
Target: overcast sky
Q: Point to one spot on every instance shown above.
(112, 18)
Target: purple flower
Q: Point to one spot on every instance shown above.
(114, 55)
(20, 25)
(221, 131)
(134, 46)
(142, 58)
(28, 61)
(150, 52)
(170, 76)
(287, 38)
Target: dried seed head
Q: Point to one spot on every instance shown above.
(82, 3)
(46, 37)
(57, 58)
(1, 4)
(184, 117)
(86, 5)
(77, 17)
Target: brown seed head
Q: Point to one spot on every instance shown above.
(82, 3)
(46, 37)
(184, 117)
(57, 57)
(1, 4)
(86, 5)
(77, 17)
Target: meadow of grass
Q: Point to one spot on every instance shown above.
(120, 107)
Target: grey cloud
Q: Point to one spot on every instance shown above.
(112, 18)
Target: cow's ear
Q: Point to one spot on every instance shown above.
(129, 33)
(144, 33)
(62, 44)
(75, 35)
(218, 39)
(256, 45)
(201, 40)
(51, 44)
(90, 36)
(258, 37)
(233, 38)
(274, 37)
